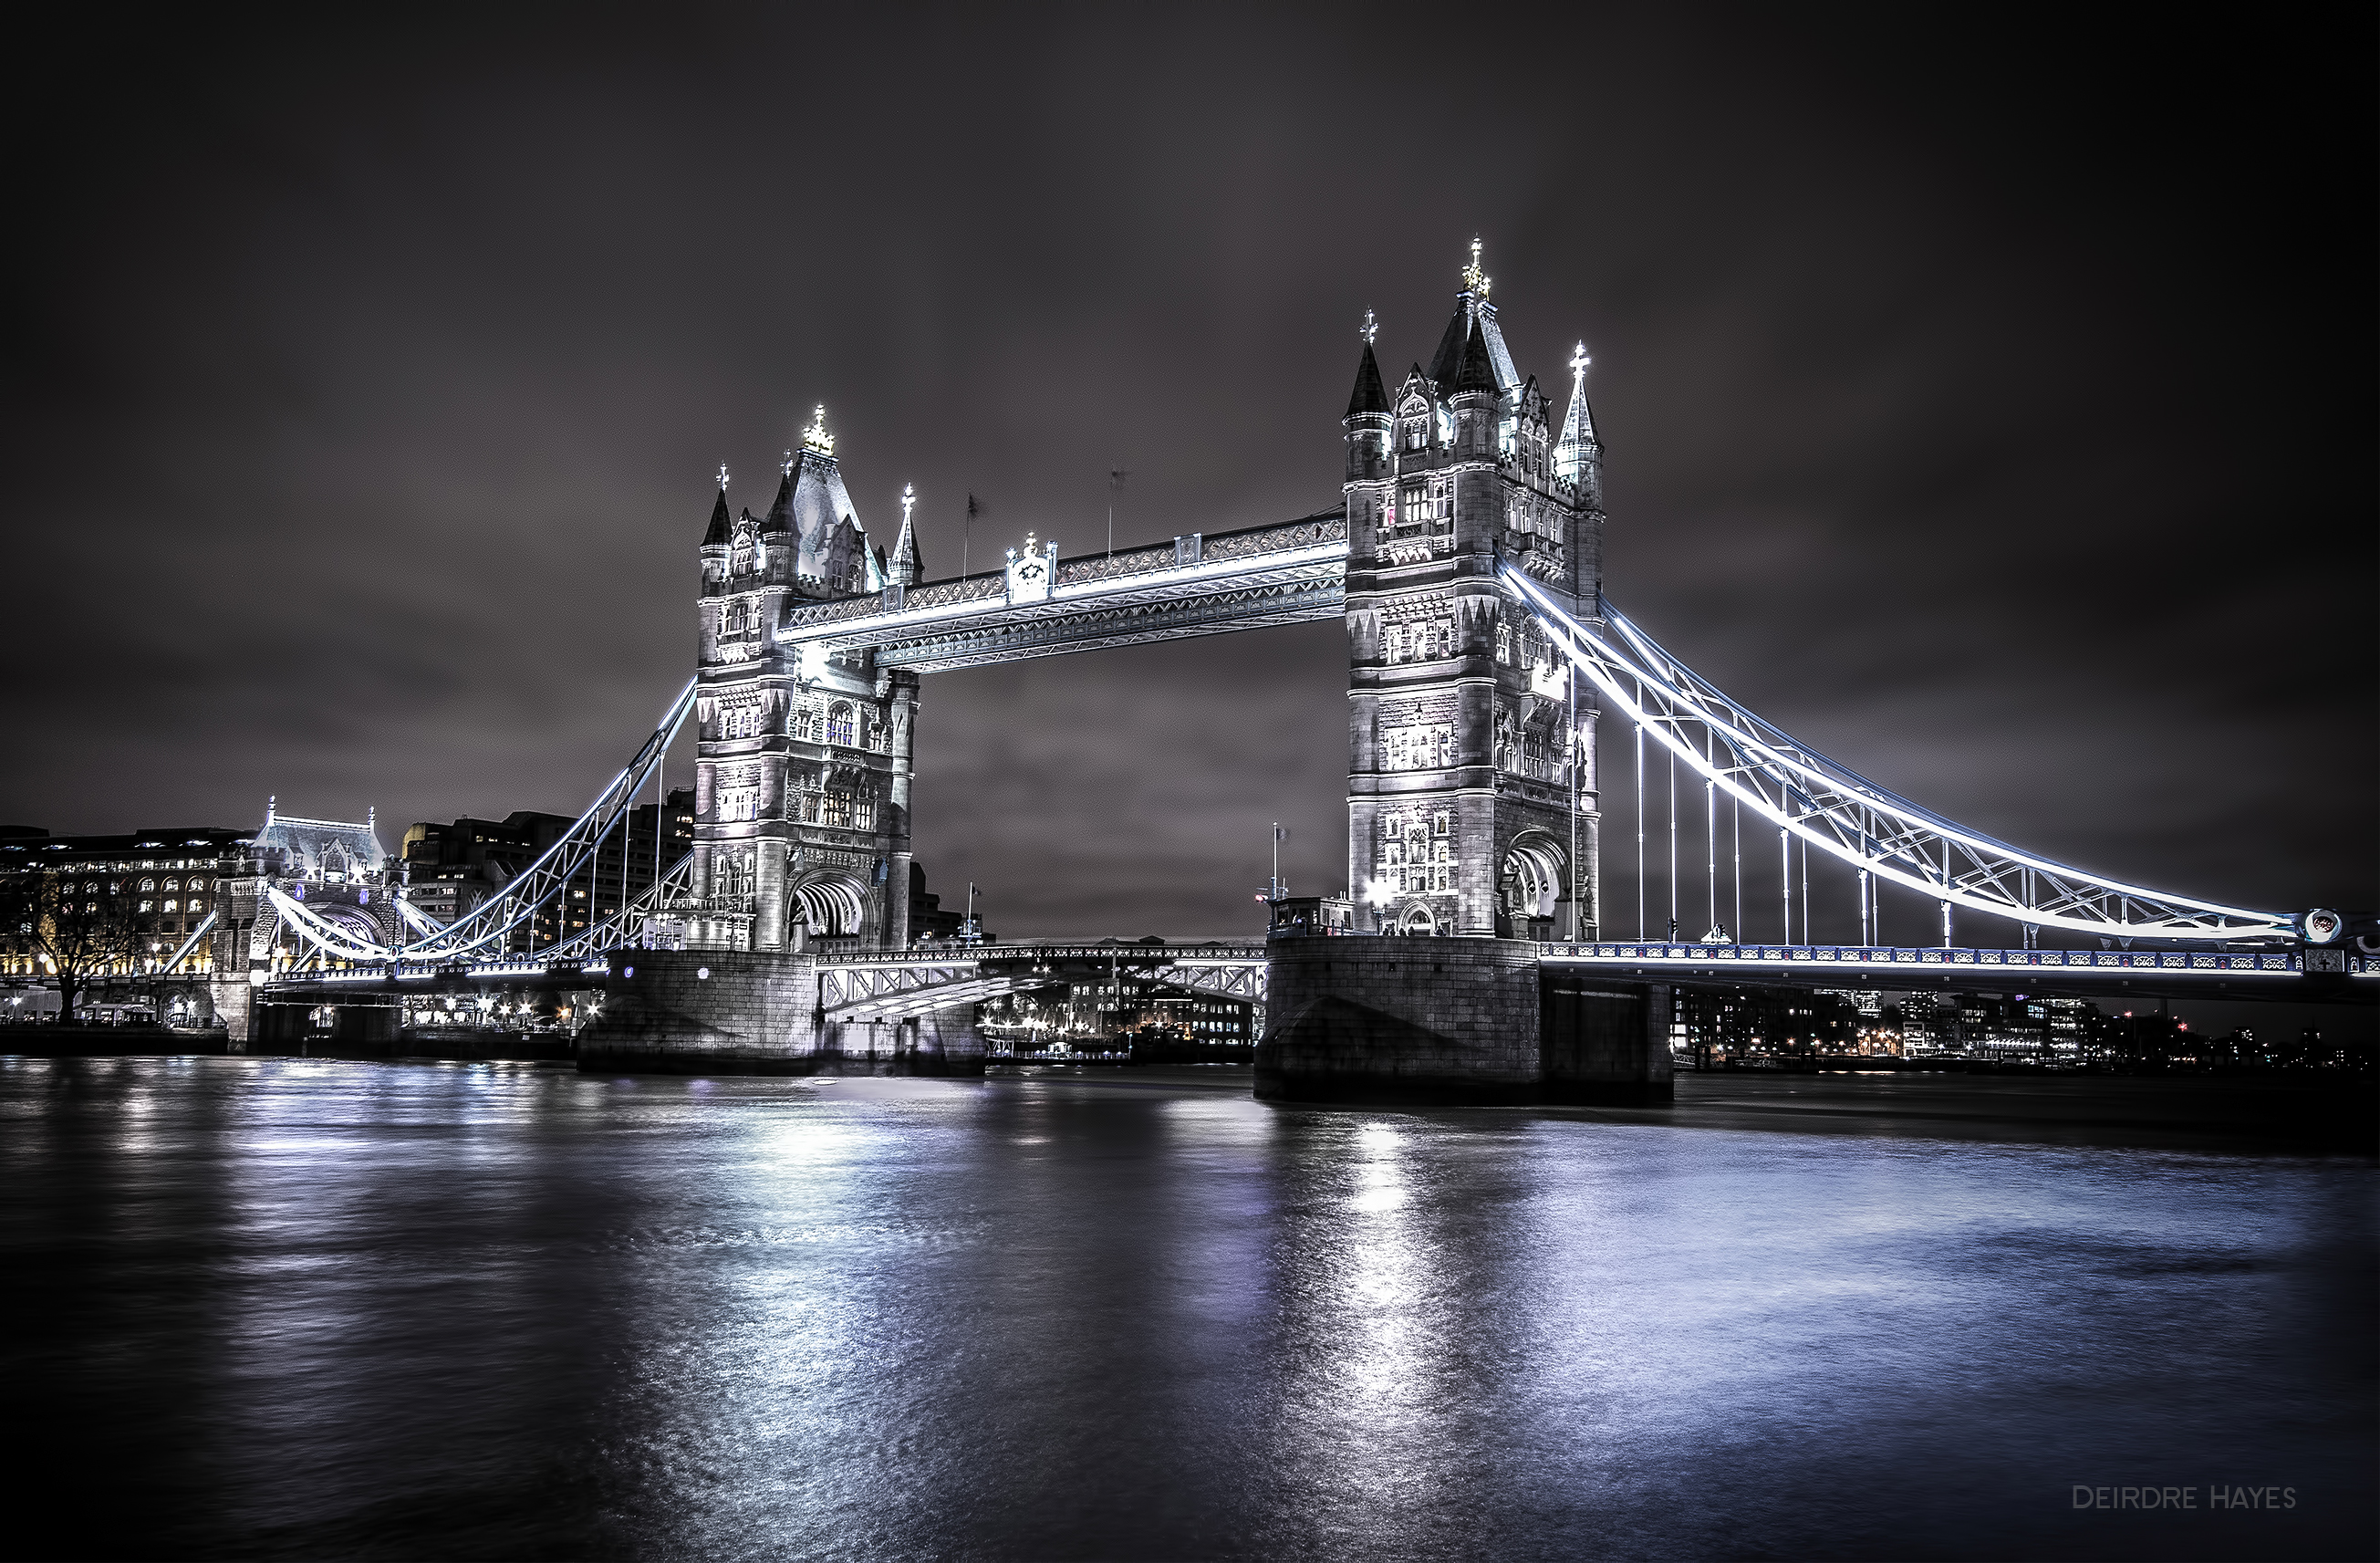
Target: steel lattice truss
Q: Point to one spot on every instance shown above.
(545, 879)
(1839, 811)
(894, 985)
(527, 892)
(1293, 572)
(671, 893)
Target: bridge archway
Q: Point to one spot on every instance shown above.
(1416, 919)
(832, 904)
(1531, 875)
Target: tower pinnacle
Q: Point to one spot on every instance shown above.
(815, 437)
(1475, 281)
(722, 477)
(1369, 329)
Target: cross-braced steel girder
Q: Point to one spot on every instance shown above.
(891, 985)
(1290, 573)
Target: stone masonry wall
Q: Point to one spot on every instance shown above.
(1443, 1019)
(705, 1012)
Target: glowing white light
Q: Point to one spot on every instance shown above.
(1684, 699)
(815, 437)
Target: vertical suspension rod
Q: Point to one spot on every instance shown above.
(1673, 843)
(1710, 834)
(1640, 823)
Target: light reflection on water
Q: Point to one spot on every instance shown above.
(287, 1308)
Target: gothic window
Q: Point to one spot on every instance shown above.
(802, 725)
(147, 906)
(197, 906)
(732, 873)
(739, 800)
(841, 727)
(148, 884)
(1397, 643)
(175, 884)
(169, 906)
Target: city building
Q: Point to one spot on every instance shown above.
(1710, 1027)
(928, 921)
(1162, 1022)
(169, 877)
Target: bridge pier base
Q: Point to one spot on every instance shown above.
(706, 1012)
(729, 1012)
(1451, 1020)
(1386, 1020)
(1606, 1041)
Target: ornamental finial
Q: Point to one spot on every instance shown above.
(722, 477)
(908, 498)
(815, 437)
(1473, 279)
(786, 466)
(1578, 362)
(1370, 328)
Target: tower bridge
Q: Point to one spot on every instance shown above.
(1485, 658)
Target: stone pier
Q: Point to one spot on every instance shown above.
(730, 1012)
(1452, 1020)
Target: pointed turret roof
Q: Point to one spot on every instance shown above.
(906, 552)
(781, 511)
(1479, 369)
(1371, 395)
(720, 532)
(1578, 424)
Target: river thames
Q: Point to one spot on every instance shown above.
(292, 1308)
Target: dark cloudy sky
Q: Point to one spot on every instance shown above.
(1989, 403)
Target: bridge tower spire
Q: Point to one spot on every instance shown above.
(1461, 808)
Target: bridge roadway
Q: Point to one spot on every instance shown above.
(892, 984)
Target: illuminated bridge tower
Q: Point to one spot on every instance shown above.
(1461, 813)
(802, 775)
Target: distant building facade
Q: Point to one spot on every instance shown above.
(172, 878)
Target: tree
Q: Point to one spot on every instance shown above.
(81, 925)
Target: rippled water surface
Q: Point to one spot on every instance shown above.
(293, 1309)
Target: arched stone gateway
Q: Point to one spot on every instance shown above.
(830, 905)
(1530, 881)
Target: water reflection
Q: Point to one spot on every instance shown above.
(293, 1308)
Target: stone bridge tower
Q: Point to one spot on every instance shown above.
(802, 763)
(1461, 811)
